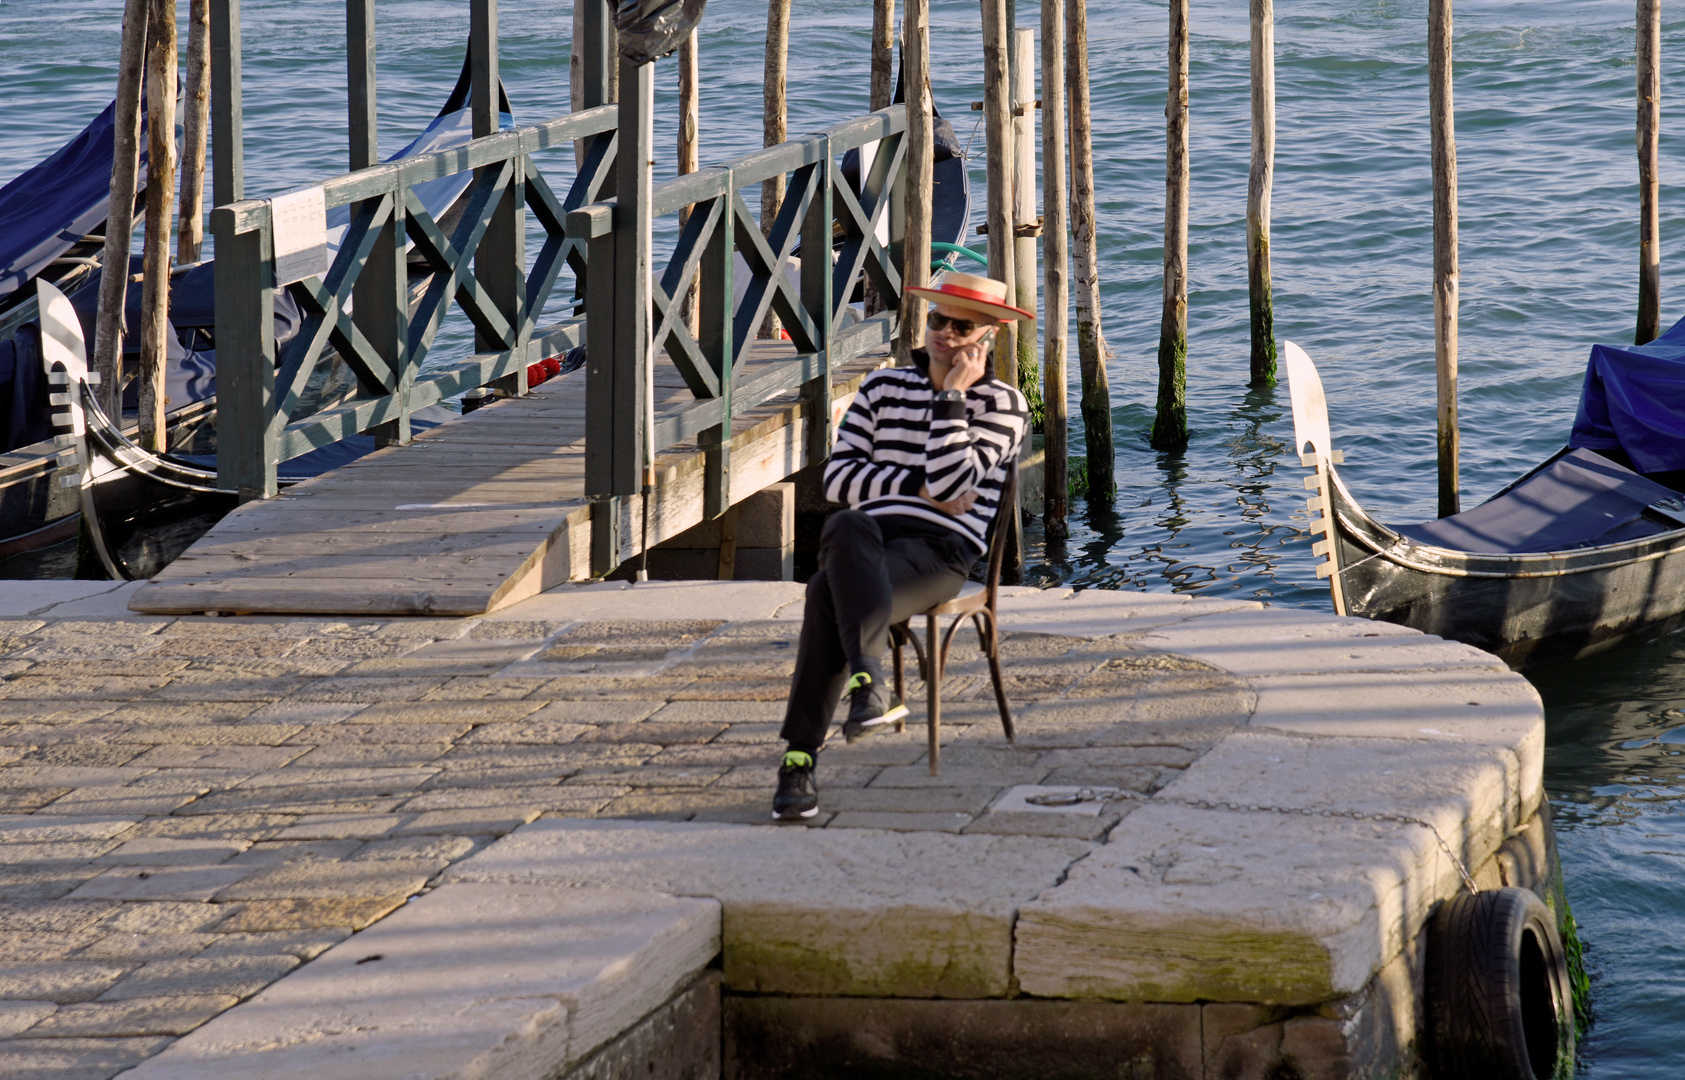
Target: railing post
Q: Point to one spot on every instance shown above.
(633, 240)
(247, 424)
(816, 300)
(228, 154)
(716, 294)
(381, 310)
(595, 225)
(598, 52)
(360, 82)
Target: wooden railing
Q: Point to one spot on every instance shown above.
(833, 222)
(847, 232)
(480, 265)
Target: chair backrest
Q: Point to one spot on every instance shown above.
(998, 534)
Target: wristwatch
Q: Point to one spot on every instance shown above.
(950, 395)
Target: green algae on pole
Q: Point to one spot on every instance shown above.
(1649, 176)
(1442, 117)
(1258, 194)
(1056, 312)
(1025, 223)
(1170, 426)
(1091, 342)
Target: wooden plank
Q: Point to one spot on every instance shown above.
(339, 545)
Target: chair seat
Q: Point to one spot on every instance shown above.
(973, 597)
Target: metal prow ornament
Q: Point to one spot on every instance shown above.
(64, 355)
(1314, 443)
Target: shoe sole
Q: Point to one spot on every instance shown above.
(800, 815)
(853, 732)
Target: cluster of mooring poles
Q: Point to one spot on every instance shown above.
(1170, 428)
(1066, 226)
(146, 86)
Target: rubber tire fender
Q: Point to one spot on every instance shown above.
(1498, 1004)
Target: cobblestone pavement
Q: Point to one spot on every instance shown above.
(190, 808)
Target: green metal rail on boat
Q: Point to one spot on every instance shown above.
(951, 250)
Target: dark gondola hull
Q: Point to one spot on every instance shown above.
(1528, 610)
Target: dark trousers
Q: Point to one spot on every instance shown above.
(873, 572)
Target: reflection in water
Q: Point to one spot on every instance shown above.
(1615, 770)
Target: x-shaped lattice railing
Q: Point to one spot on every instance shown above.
(397, 318)
(840, 233)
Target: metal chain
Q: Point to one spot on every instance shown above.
(1091, 794)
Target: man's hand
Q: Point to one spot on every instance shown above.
(954, 507)
(969, 363)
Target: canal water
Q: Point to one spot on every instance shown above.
(1544, 96)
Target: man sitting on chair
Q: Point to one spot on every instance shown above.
(919, 461)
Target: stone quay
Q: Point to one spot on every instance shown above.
(538, 843)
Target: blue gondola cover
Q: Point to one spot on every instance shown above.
(52, 206)
(1634, 400)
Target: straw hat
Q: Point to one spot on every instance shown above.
(976, 293)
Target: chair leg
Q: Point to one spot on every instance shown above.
(900, 674)
(933, 696)
(992, 637)
(918, 650)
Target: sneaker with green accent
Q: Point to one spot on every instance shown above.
(798, 795)
(874, 706)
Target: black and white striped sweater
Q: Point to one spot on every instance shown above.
(897, 438)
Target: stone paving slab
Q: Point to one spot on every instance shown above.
(470, 980)
(192, 808)
(804, 910)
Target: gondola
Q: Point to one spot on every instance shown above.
(151, 513)
(1583, 553)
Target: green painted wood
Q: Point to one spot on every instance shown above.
(716, 334)
(631, 280)
(245, 334)
(360, 83)
(228, 153)
(595, 226)
(816, 278)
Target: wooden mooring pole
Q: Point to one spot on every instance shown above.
(775, 120)
(997, 132)
(1091, 341)
(1026, 224)
(120, 219)
(1056, 312)
(196, 125)
(920, 181)
(160, 195)
(1170, 426)
(1649, 173)
(883, 53)
(1258, 187)
(1445, 276)
(688, 151)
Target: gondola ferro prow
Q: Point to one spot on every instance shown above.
(1316, 451)
(64, 355)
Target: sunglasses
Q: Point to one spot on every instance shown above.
(960, 327)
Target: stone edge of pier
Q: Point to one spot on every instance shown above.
(1191, 935)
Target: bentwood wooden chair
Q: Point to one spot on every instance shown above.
(979, 603)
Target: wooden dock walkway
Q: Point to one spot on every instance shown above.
(473, 515)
